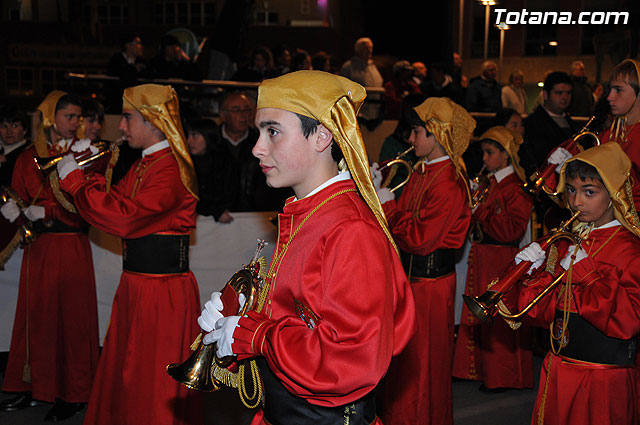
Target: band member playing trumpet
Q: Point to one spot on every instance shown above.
(594, 315)
(336, 305)
(495, 354)
(54, 343)
(429, 221)
(152, 321)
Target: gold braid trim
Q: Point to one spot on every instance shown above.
(115, 153)
(54, 182)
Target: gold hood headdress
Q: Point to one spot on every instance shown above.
(614, 166)
(334, 101)
(618, 129)
(452, 127)
(510, 141)
(159, 105)
(47, 111)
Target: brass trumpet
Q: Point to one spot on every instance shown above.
(203, 370)
(540, 177)
(392, 164)
(484, 306)
(482, 183)
(48, 164)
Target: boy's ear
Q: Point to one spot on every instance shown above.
(323, 138)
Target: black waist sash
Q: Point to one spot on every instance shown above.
(586, 343)
(488, 240)
(283, 408)
(156, 254)
(57, 226)
(440, 262)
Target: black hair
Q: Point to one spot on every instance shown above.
(583, 170)
(403, 129)
(556, 77)
(503, 116)
(207, 128)
(68, 99)
(126, 39)
(91, 108)
(309, 126)
(168, 40)
(12, 114)
(493, 143)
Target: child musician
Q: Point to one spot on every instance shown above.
(495, 354)
(594, 315)
(429, 221)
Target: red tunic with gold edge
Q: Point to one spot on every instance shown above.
(57, 313)
(494, 353)
(341, 269)
(432, 213)
(606, 294)
(153, 317)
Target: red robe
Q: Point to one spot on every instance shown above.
(342, 268)
(606, 293)
(431, 213)
(494, 353)
(57, 313)
(153, 315)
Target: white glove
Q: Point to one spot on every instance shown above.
(473, 185)
(81, 145)
(376, 175)
(223, 335)
(10, 210)
(66, 165)
(532, 253)
(385, 195)
(558, 157)
(212, 313)
(34, 212)
(580, 254)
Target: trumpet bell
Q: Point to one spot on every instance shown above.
(195, 372)
(483, 306)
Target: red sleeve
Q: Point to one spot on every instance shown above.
(118, 213)
(366, 315)
(607, 297)
(504, 217)
(442, 222)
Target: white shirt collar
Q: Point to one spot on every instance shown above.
(435, 161)
(505, 172)
(155, 148)
(612, 223)
(10, 148)
(230, 140)
(344, 175)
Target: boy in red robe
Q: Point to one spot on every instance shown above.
(588, 377)
(153, 209)
(336, 305)
(429, 221)
(496, 354)
(54, 343)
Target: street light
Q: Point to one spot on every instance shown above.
(502, 27)
(487, 10)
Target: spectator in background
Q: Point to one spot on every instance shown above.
(361, 69)
(201, 137)
(321, 61)
(173, 62)
(242, 184)
(440, 84)
(456, 69)
(282, 57)
(419, 73)
(93, 117)
(128, 65)
(598, 91)
(399, 87)
(14, 127)
(511, 119)
(513, 94)
(549, 124)
(301, 61)
(484, 93)
(260, 66)
(581, 94)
